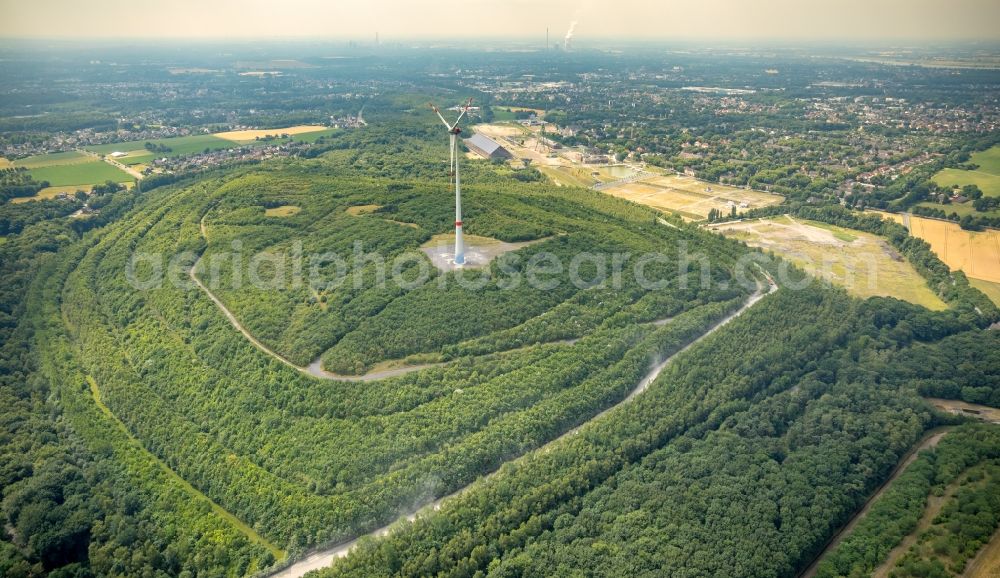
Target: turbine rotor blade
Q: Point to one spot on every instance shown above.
(465, 109)
(438, 112)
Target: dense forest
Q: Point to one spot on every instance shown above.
(755, 437)
(964, 460)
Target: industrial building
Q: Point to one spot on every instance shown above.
(487, 148)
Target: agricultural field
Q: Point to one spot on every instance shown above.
(53, 159)
(68, 172)
(977, 253)
(89, 172)
(986, 177)
(186, 145)
(5, 163)
(689, 197)
(250, 136)
(866, 265)
(183, 145)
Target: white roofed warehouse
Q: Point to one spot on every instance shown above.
(487, 148)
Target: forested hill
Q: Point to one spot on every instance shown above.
(196, 452)
(174, 429)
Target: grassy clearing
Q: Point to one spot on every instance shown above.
(989, 184)
(86, 173)
(53, 159)
(283, 211)
(567, 176)
(865, 265)
(249, 532)
(508, 113)
(962, 209)
(52, 192)
(5, 163)
(689, 197)
(989, 288)
(839, 232)
(358, 210)
(986, 177)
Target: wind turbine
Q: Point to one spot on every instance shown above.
(454, 131)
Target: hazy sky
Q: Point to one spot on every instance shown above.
(662, 19)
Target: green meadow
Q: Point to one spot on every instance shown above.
(986, 177)
(182, 145)
(52, 159)
(82, 173)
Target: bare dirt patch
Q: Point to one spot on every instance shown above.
(690, 197)
(479, 251)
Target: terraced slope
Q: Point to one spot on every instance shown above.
(306, 461)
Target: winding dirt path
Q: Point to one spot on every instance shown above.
(325, 557)
(315, 368)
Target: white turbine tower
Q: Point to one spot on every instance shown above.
(454, 131)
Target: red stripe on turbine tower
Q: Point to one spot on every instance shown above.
(458, 223)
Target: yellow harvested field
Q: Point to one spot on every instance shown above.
(248, 135)
(977, 253)
(691, 198)
(5, 163)
(864, 264)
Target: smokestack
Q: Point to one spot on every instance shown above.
(546, 38)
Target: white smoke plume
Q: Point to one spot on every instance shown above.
(568, 39)
(569, 33)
